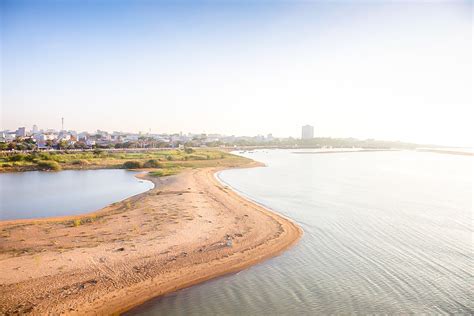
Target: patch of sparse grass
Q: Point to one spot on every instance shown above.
(81, 162)
(84, 220)
(164, 172)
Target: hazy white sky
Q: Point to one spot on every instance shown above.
(395, 71)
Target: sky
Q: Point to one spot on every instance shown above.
(384, 70)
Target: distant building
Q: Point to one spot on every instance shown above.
(83, 136)
(307, 132)
(10, 136)
(131, 138)
(21, 132)
(34, 130)
(64, 136)
(41, 139)
(90, 142)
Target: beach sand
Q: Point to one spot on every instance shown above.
(157, 242)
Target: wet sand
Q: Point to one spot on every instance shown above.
(188, 229)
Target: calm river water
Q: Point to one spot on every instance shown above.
(42, 194)
(385, 232)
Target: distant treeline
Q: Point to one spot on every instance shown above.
(320, 142)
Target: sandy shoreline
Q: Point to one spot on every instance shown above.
(154, 243)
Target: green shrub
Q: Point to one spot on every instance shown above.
(98, 152)
(31, 157)
(188, 150)
(49, 165)
(77, 222)
(17, 157)
(153, 163)
(7, 165)
(45, 156)
(132, 165)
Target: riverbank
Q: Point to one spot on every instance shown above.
(188, 229)
(100, 159)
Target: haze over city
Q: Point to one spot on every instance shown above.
(253, 68)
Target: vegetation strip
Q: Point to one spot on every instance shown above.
(100, 159)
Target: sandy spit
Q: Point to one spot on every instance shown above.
(171, 237)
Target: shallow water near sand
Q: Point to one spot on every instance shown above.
(38, 194)
(384, 232)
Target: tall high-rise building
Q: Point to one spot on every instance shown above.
(21, 132)
(307, 132)
(35, 129)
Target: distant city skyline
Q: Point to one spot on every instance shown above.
(391, 71)
(24, 139)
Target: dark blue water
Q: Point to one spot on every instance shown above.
(42, 194)
(385, 233)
